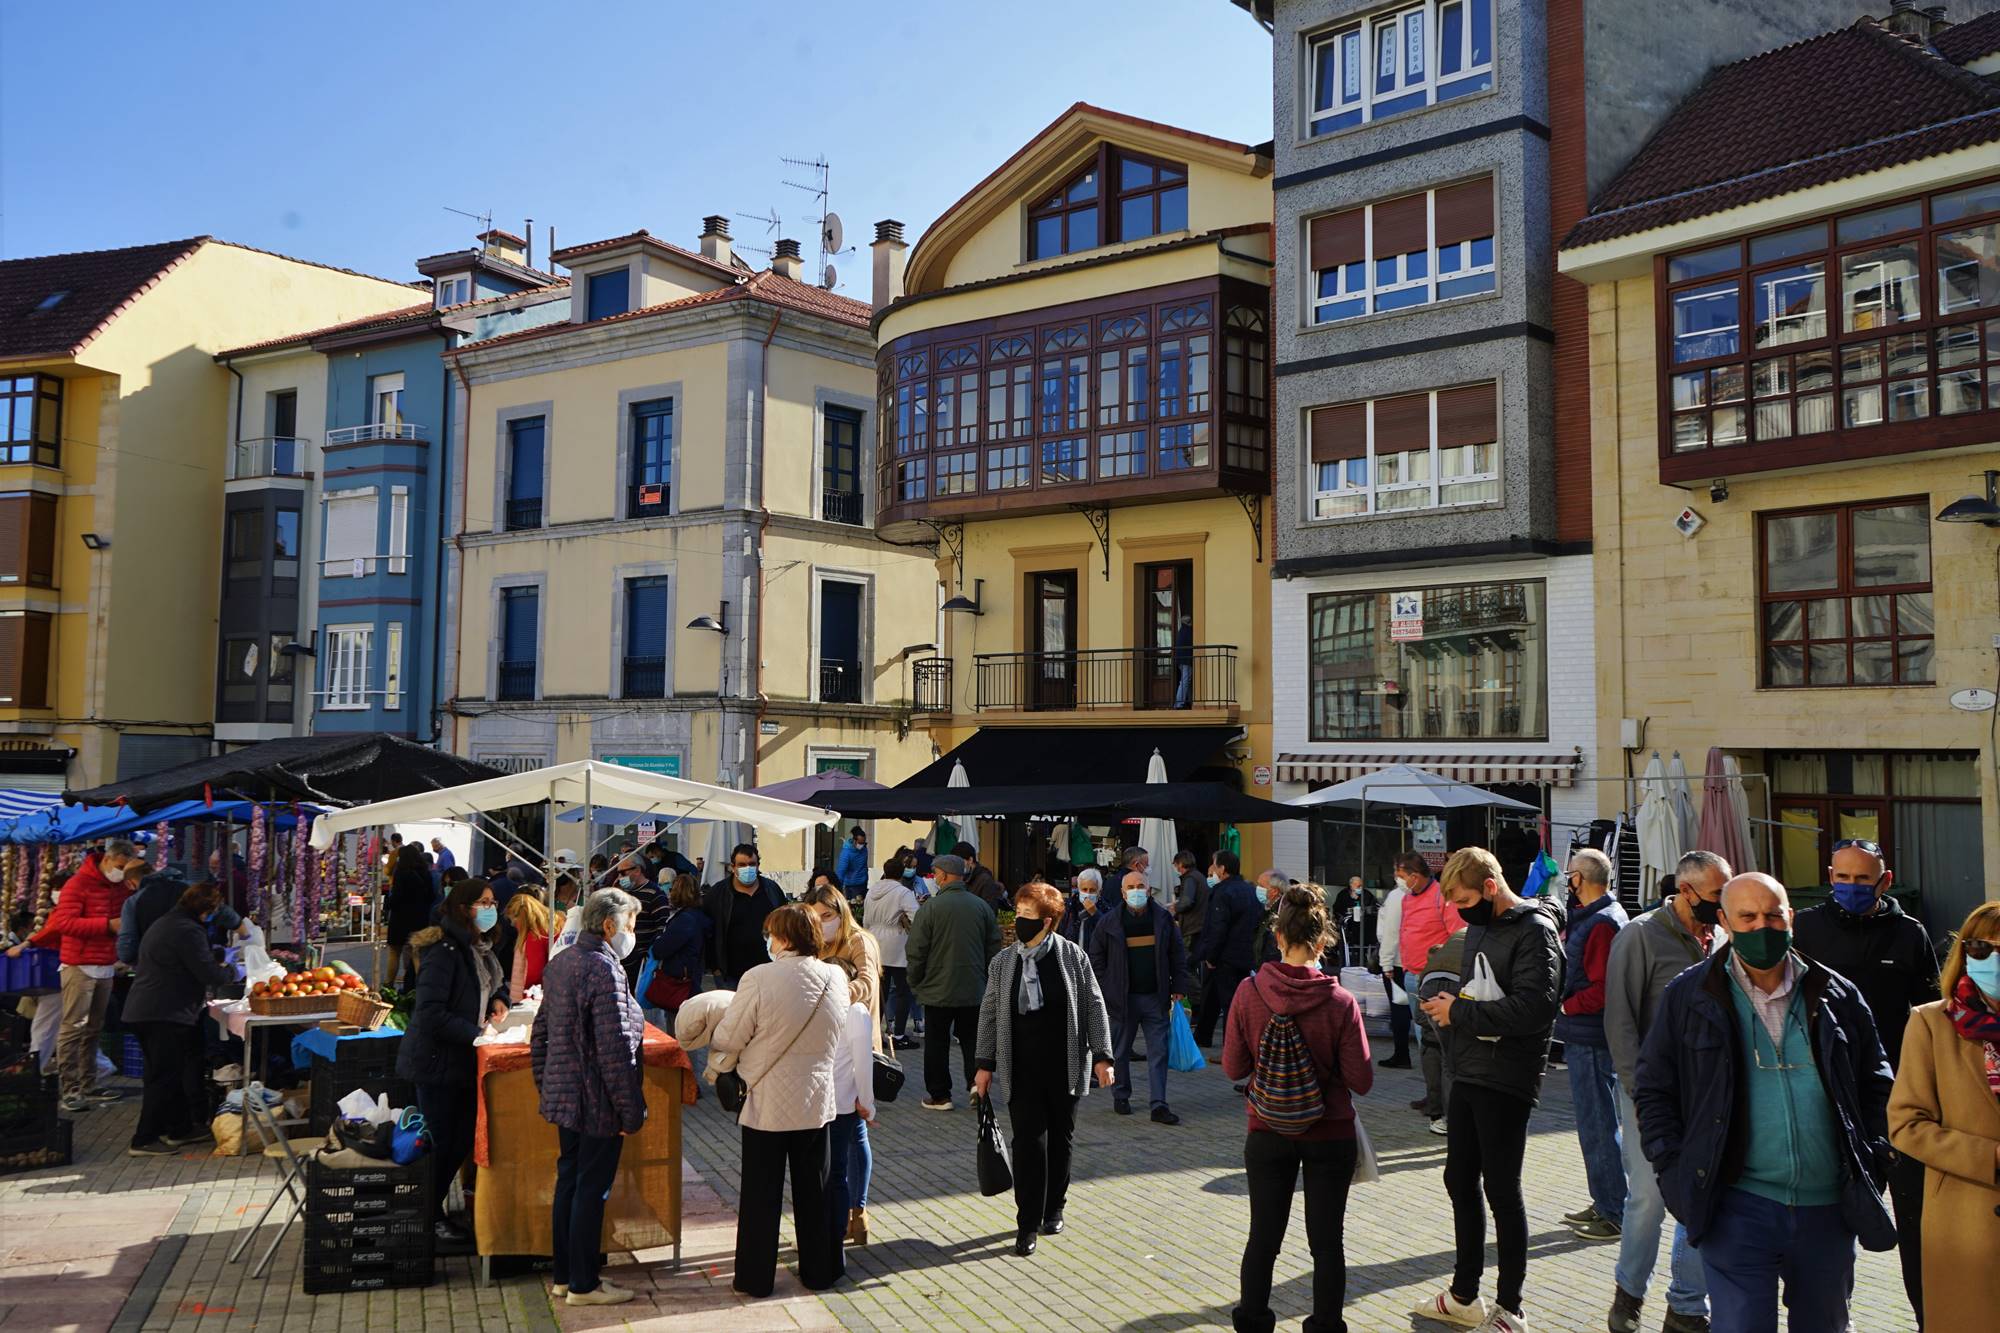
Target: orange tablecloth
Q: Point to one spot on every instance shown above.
(656, 1049)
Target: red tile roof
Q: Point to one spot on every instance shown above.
(386, 321)
(694, 258)
(496, 234)
(1963, 43)
(99, 283)
(1847, 102)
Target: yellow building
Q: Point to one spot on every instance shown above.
(111, 490)
(665, 554)
(1795, 381)
(1074, 384)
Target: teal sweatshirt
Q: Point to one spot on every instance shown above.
(1793, 1152)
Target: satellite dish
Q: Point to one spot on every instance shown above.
(830, 279)
(832, 236)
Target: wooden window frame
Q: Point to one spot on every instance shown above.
(1888, 801)
(1844, 590)
(44, 394)
(1847, 364)
(1108, 201)
(32, 550)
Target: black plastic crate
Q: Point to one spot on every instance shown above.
(329, 1085)
(410, 1233)
(37, 1152)
(366, 1058)
(398, 1271)
(385, 1193)
(28, 1104)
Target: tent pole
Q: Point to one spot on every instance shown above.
(589, 825)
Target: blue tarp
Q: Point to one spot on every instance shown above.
(86, 823)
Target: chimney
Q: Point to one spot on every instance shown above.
(1935, 13)
(715, 238)
(785, 261)
(504, 245)
(891, 254)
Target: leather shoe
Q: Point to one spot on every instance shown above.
(1394, 1062)
(1122, 1108)
(1162, 1116)
(1024, 1244)
(1421, 1104)
(1054, 1226)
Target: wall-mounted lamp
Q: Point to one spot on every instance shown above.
(961, 603)
(95, 542)
(910, 650)
(1971, 508)
(1718, 490)
(713, 624)
(297, 649)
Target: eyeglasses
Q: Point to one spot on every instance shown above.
(1867, 845)
(1980, 949)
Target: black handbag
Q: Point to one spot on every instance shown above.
(996, 1168)
(888, 1078)
(733, 1092)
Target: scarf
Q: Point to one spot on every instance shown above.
(1028, 995)
(1974, 1019)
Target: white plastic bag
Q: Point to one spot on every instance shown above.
(358, 1105)
(1366, 1169)
(1482, 985)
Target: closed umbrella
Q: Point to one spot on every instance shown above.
(1660, 844)
(1680, 793)
(1739, 804)
(950, 829)
(1161, 841)
(1720, 831)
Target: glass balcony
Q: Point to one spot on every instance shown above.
(377, 430)
(269, 456)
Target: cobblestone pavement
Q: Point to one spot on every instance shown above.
(1157, 1219)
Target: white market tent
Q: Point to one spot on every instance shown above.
(1411, 788)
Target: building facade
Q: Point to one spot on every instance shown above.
(1434, 601)
(115, 490)
(665, 553)
(1795, 381)
(1074, 389)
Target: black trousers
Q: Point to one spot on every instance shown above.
(766, 1155)
(1906, 1191)
(1043, 1117)
(585, 1173)
(1488, 1136)
(1399, 1020)
(172, 1098)
(939, 1023)
(448, 1110)
(1218, 988)
(1274, 1163)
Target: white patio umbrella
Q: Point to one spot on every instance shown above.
(1680, 794)
(1162, 841)
(960, 830)
(1660, 844)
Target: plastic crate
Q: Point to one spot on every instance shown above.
(364, 1058)
(28, 1105)
(123, 1050)
(329, 1086)
(386, 1193)
(367, 1274)
(33, 973)
(38, 1152)
(410, 1234)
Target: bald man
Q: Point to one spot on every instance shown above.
(1763, 1095)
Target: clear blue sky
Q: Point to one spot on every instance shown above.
(341, 133)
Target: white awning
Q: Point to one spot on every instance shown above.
(586, 780)
(1557, 770)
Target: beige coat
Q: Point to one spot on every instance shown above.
(864, 955)
(779, 1034)
(1943, 1114)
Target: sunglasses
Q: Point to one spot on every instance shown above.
(1867, 845)
(1980, 949)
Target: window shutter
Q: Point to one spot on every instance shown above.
(34, 691)
(11, 628)
(522, 609)
(1402, 424)
(1339, 433)
(1465, 212)
(14, 520)
(1337, 239)
(41, 570)
(350, 530)
(1402, 226)
(646, 618)
(1467, 416)
(524, 462)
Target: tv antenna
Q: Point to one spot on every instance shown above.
(485, 220)
(832, 234)
(771, 225)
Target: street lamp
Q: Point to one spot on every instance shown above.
(1976, 508)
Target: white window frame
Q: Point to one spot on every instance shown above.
(392, 666)
(1371, 291)
(342, 566)
(1371, 488)
(1365, 62)
(1467, 270)
(379, 388)
(454, 290)
(350, 651)
(399, 529)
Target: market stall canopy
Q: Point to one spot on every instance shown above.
(87, 823)
(1021, 756)
(586, 781)
(334, 770)
(807, 790)
(1202, 802)
(1412, 788)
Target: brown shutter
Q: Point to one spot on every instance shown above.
(34, 692)
(13, 537)
(1339, 433)
(1465, 212)
(41, 544)
(1467, 416)
(1337, 239)
(1402, 424)
(10, 659)
(1402, 226)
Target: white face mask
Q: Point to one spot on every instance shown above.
(829, 929)
(622, 944)
(116, 876)
(773, 948)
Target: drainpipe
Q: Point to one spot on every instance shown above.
(443, 456)
(763, 524)
(230, 366)
(458, 549)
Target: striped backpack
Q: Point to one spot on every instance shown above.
(1284, 1088)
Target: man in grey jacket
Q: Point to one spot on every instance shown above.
(952, 940)
(1647, 954)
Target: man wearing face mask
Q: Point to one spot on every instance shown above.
(1081, 917)
(84, 925)
(1428, 920)
(1141, 967)
(1646, 955)
(951, 946)
(1228, 942)
(738, 906)
(1763, 1099)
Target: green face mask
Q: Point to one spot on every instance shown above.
(1762, 948)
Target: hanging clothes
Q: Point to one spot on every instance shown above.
(1232, 841)
(1082, 847)
(1059, 843)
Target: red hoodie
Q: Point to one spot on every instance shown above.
(86, 917)
(1329, 1019)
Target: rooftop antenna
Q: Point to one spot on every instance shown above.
(832, 234)
(485, 220)
(771, 225)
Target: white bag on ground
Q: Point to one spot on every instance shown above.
(1482, 985)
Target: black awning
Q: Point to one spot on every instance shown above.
(1027, 756)
(1096, 802)
(350, 769)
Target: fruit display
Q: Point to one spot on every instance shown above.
(328, 981)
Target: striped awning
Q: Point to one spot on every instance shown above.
(1558, 770)
(15, 801)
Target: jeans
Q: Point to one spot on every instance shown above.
(1042, 1115)
(766, 1155)
(173, 1097)
(1218, 988)
(937, 1047)
(1274, 1162)
(896, 985)
(1755, 1244)
(1639, 1246)
(585, 1172)
(1430, 1051)
(840, 1135)
(1149, 1012)
(84, 1001)
(448, 1110)
(1183, 685)
(1593, 1086)
(852, 1161)
(1488, 1137)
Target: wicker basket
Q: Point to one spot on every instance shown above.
(361, 1009)
(291, 1006)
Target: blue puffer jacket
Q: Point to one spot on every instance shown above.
(677, 950)
(851, 866)
(585, 1043)
(1693, 1118)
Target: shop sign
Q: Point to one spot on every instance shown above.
(1406, 616)
(1261, 775)
(1974, 700)
(1427, 833)
(667, 765)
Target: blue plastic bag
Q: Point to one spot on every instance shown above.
(646, 970)
(411, 1138)
(1539, 875)
(1183, 1056)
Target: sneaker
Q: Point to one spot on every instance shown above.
(76, 1105)
(1676, 1322)
(1504, 1321)
(1448, 1309)
(1598, 1228)
(904, 1043)
(558, 1288)
(188, 1140)
(105, 1096)
(1625, 1307)
(1437, 1127)
(1162, 1116)
(449, 1240)
(936, 1103)
(1122, 1107)
(605, 1293)
(153, 1149)
(1587, 1213)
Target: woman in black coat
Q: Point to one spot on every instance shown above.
(411, 893)
(460, 986)
(176, 967)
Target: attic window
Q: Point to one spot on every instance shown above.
(1116, 197)
(51, 301)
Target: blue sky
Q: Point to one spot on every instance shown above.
(343, 133)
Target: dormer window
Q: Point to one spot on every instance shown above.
(1117, 197)
(51, 301)
(454, 290)
(610, 293)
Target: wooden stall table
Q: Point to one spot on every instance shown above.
(516, 1151)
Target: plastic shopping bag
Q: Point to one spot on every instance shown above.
(1483, 985)
(1183, 1055)
(1366, 1169)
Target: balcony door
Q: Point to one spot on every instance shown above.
(1166, 595)
(1052, 611)
(839, 642)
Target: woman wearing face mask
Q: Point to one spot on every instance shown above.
(843, 942)
(461, 986)
(1085, 908)
(886, 915)
(176, 968)
(1043, 1030)
(1945, 1112)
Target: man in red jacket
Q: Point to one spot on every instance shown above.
(85, 925)
(1428, 921)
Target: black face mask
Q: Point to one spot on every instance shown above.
(1479, 914)
(1706, 912)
